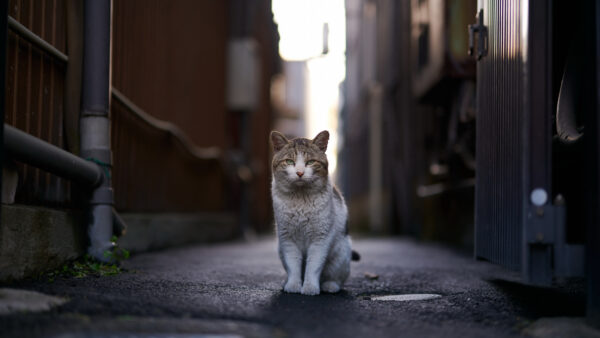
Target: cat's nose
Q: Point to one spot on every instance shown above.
(299, 173)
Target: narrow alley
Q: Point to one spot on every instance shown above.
(155, 151)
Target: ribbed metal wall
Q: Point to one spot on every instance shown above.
(154, 173)
(169, 58)
(35, 94)
(499, 181)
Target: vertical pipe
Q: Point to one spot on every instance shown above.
(376, 202)
(241, 16)
(3, 45)
(94, 122)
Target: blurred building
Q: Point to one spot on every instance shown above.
(408, 159)
(496, 152)
(189, 149)
(290, 98)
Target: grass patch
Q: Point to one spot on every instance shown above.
(84, 267)
(88, 266)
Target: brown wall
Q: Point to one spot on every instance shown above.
(169, 58)
(153, 172)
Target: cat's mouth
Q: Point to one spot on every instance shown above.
(300, 182)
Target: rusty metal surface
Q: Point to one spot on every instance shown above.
(153, 172)
(35, 94)
(169, 59)
(500, 144)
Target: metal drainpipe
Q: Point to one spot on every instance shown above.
(3, 48)
(94, 122)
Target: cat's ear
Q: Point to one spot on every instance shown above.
(321, 140)
(278, 140)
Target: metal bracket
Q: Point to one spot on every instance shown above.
(568, 258)
(482, 39)
(540, 229)
(539, 240)
(100, 154)
(547, 252)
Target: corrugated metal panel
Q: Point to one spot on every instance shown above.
(169, 58)
(171, 64)
(593, 194)
(499, 178)
(35, 94)
(153, 173)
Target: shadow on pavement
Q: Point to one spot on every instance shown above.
(536, 301)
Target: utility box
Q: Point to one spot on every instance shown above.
(243, 74)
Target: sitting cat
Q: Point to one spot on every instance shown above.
(311, 215)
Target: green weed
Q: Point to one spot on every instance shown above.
(88, 266)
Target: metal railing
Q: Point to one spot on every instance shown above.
(209, 153)
(30, 36)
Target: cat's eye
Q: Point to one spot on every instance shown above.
(290, 162)
(310, 162)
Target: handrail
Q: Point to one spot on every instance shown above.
(210, 153)
(30, 36)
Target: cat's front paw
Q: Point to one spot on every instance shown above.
(310, 289)
(292, 286)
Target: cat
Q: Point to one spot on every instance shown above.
(310, 215)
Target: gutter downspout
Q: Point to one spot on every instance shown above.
(3, 48)
(94, 122)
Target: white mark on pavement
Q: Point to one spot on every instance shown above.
(147, 335)
(406, 298)
(13, 300)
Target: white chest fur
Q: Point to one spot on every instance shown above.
(311, 234)
(304, 218)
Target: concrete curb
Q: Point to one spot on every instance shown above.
(35, 239)
(147, 232)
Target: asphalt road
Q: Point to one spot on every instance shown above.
(234, 289)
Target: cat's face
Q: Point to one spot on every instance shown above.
(300, 163)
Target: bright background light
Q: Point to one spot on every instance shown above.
(300, 25)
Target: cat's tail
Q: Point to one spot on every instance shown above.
(355, 256)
